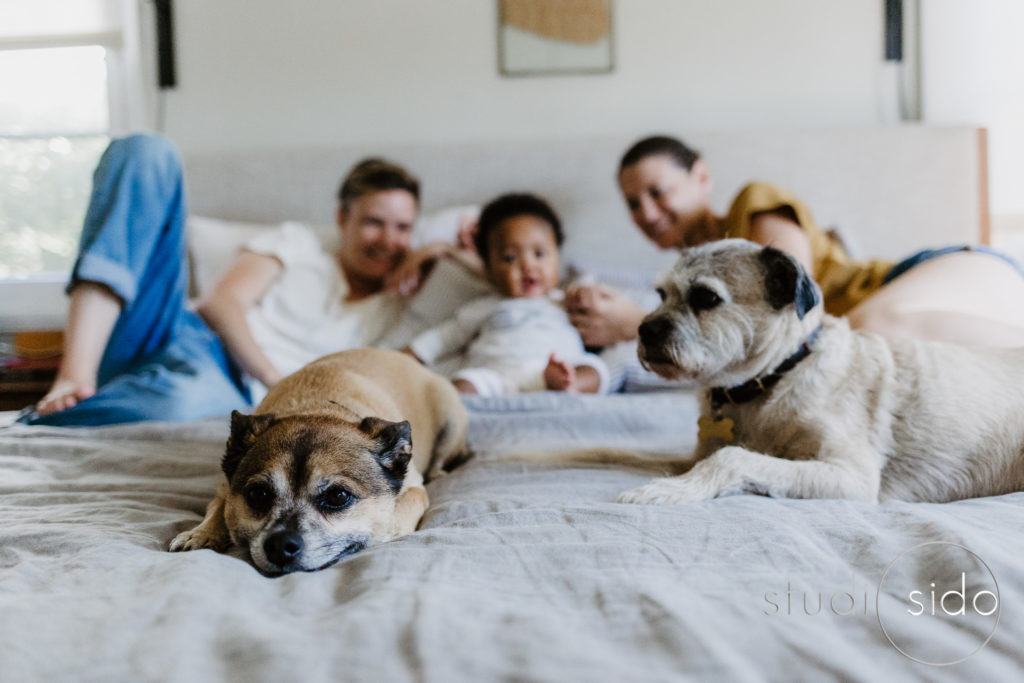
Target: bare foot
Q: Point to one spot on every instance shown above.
(92, 312)
(65, 393)
(559, 375)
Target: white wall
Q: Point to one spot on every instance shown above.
(972, 68)
(266, 73)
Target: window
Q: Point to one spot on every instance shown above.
(52, 135)
(64, 90)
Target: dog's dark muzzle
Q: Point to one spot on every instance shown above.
(654, 334)
(283, 548)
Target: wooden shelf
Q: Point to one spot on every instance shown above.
(27, 368)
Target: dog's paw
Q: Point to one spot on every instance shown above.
(440, 468)
(198, 538)
(667, 491)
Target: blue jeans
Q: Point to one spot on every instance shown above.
(162, 362)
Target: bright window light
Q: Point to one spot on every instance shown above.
(55, 89)
(54, 118)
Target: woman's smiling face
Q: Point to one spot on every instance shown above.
(666, 201)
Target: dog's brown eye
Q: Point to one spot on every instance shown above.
(661, 293)
(702, 299)
(336, 498)
(259, 497)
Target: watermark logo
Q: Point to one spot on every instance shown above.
(937, 603)
(932, 584)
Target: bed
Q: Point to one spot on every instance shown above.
(522, 569)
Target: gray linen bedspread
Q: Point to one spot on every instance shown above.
(521, 570)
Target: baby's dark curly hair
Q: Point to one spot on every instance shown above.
(509, 206)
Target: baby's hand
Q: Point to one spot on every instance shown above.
(559, 375)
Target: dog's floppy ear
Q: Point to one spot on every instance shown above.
(394, 446)
(244, 430)
(786, 282)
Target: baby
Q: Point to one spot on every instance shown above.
(519, 340)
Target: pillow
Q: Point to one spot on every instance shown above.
(212, 245)
(443, 225)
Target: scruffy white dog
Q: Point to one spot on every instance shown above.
(798, 405)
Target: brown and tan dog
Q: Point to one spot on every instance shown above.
(332, 461)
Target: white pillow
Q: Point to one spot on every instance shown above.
(443, 225)
(212, 246)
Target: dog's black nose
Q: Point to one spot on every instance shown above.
(654, 330)
(283, 547)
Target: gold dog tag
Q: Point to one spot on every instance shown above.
(715, 429)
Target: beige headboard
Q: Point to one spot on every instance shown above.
(889, 190)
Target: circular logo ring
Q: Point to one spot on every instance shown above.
(878, 597)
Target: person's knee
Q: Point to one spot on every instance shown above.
(144, 144)
(146, 148)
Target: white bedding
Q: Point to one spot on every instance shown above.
(520, 571)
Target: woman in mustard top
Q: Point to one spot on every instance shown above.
(967, 295)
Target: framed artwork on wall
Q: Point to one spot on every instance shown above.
(551, 37)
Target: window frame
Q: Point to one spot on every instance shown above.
(38, 302)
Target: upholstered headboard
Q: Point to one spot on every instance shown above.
(889, 190)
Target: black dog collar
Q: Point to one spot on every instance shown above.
(759, 386)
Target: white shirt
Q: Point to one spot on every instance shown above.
(304, 315)
(498, 333)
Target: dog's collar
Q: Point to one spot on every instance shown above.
(759, 386)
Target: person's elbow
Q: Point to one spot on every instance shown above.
(220, 306)
(207, 307)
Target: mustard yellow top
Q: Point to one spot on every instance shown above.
(844, 282)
